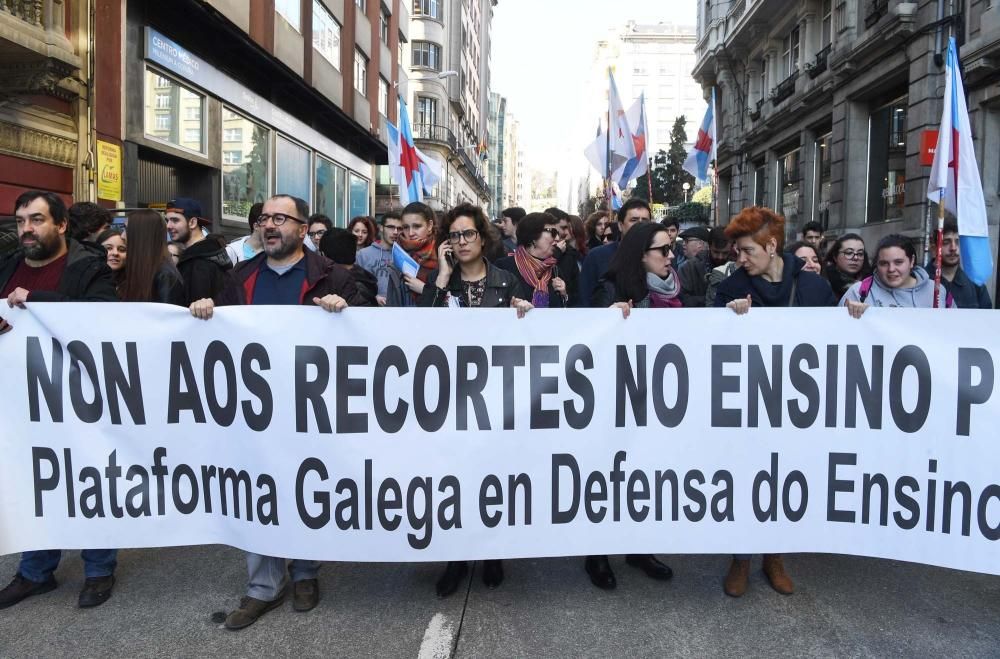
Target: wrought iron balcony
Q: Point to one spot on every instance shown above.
(819, 65)
(784, 89)
(35, 55)
(435, 133)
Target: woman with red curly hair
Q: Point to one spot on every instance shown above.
(363, 229)
(766, 277)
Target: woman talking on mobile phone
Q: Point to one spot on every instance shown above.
(465, 279)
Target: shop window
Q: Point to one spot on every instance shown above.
(788, 180)
(887, 162)
(360, 72)
(293, 169)
(329, 198)
(245, 170)
(359, 196)
(291, 11)
(326, 34)
(166, 101)
(340, 187)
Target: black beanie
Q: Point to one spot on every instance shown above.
(339, 245)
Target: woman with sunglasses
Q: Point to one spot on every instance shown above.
(846, 263)
(641, 275)
(466, 279)
(535, 264)
(766, 278)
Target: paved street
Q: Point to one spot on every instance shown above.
(844, 606)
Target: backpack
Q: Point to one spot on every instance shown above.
(866, 287)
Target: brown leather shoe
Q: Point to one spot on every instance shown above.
(736, 581)
(251, 610)
(305, 595)
(774, 569)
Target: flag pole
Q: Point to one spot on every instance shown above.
(937, 255)
(649, 178)
(607, 150)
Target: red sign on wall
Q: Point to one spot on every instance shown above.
(928, 142)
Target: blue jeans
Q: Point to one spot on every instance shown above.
(38, 566)
(269, 575)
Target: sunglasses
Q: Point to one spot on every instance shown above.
(662, 249)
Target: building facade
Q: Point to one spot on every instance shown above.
(511, 163)
(448, 95)
(502, 155)
(824, 105)
(45, 84)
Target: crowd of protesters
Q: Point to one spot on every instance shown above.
(523, 261)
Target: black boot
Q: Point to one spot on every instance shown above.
(601, 574)
(21, 588)
(653, 568)
(493, 573)
(96, 591)
(452, 578)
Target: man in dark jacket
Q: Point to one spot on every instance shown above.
(694, 273)
(598, 259)
(284, 273)
(966, 294)
(204, 264)
(341, 247)
(49, 267)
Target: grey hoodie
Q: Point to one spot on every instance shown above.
(377, 259)
(919, 296)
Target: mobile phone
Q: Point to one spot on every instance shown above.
(452, 261)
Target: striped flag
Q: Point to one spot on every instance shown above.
(704, 147)
(955, 178)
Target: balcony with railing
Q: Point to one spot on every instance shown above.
(35, 54)
(874, 10)
(434, 133)
(784, 89)
(819, 64)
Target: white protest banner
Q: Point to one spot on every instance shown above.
(437, 434)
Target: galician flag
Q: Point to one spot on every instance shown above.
(704, 147)
(639, 163)
(621, 147)
(955, 178)
(411, 170)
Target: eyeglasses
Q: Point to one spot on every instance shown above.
(662, 249)
(554, 233)
(277, 218)
(316, 235)
(455, 237)
(853, 254)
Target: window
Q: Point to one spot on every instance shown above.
(291, 11)
(327, 200)
(788, 189)
(887, 161)
(326, 34)
(245, 171)
(399, 54)
(826, 25)
(359, 196)
(840, 16)
(383, 96)
(760, 184)
(426, 54)
(383, 26)
(165, 102)
(763, 79)
(821, 191)
(362, 5)
(790, 53)
(293, 164)
(232, 134)
(426, 111)
(639, 68)
(360, 72)
(427, 8)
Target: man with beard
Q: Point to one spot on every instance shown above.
(204, 265)
(49, 267)
(284, 273)
(706, 249)
(966, 294)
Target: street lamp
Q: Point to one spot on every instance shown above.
(686, 186)
(437, 77)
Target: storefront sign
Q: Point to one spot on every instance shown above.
(928, 144)
(109, 171)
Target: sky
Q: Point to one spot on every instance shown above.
(542, 56)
